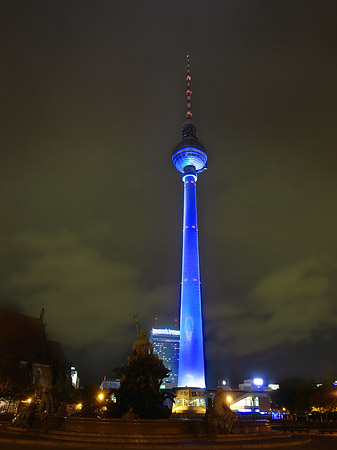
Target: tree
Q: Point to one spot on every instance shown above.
(16, 380)
(62, 389)
(324, 400)
(285, 396)
(303, 396)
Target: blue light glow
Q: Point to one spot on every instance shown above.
(190, 156)
(191, 372)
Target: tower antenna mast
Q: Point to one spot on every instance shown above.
(188, 90)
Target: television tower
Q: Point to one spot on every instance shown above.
(189, 158)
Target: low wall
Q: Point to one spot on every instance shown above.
(287, 425)
(154, 427)
(124, 426)
(6, 417)
(253, 426)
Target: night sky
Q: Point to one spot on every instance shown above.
(92, 99)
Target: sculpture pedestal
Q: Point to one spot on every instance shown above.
(189, 402)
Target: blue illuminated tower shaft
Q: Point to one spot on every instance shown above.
(190, 158)
(191, 371)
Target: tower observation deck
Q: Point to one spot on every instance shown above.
(189, 158)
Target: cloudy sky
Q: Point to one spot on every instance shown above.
(92, 102)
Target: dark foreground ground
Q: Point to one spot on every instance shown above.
(317, 443)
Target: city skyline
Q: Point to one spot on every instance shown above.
(92, 100)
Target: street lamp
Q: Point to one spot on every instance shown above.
(100, 398)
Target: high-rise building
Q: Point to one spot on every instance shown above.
(165, 343)
(189, 158)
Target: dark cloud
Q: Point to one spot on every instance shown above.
(287, 306)
(90, 300)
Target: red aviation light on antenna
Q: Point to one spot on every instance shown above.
(188, 90)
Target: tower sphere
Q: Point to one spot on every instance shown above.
(189, 151)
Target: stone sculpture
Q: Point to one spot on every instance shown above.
(220, 415)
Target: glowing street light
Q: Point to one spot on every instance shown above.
(258, 382)
(100, 397)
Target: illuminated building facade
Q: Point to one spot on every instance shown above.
(75, 381)
(249, 402)
(189, 158)
(165, 343)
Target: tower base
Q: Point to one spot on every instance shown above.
(189, 402)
